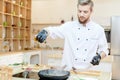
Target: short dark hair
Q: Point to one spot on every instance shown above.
(85, 2)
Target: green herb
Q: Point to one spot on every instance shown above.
(21, 3)
(13, 13)
(5, 24)
(19, 24)
(81, 79)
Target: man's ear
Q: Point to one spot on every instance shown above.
(91, 9)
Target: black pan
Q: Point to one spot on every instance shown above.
(53, 74)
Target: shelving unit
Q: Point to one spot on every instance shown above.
(15, 25)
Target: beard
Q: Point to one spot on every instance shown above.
(83, 20)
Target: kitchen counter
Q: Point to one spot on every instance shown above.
(24, 51)
(21, 79)
(103, 74)
(93, 75)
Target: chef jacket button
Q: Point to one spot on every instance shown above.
(75, 59)
(79, 28)
(77, 49)
(78, 38)
(88, 29)
(84, 60)
(86, 39)
(85, 49)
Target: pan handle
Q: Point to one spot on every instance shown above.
(58, 67)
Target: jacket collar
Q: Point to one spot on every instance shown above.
(88, 24)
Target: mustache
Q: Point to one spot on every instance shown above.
(81, 17)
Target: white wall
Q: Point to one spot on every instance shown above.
(52, 11)
(104, 9)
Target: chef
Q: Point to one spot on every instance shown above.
(84, 40)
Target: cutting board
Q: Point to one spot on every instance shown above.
(89, 72)
(81, 78)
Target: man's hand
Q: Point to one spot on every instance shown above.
(42, 35)
(96, 60)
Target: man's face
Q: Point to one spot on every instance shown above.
(84, 12)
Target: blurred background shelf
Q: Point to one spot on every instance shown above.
(15, 24)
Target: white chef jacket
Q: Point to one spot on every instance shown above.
(80, 43)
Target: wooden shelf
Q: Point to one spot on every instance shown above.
(15, 15)
(22, 28)
(22, 7)
(15, 27)
(1, 12)
(15, 4)
(7, 38)
(7, 6)
(21, 39)
(7, 1)
(28, 19)
(15, 10)
(1, 35)
(1, 6)
(1, 19)
(28, 8)
(22, 18)
(28, 4)
(1, 32)
(7, 27)
(15, 39)
(9, 14)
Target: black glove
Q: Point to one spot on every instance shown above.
(96, 60)
(42, 35)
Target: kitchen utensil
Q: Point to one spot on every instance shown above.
(85, 71)
(78, 77)
(53, 74)
(82, 70)
(58, 67)
(25, 74)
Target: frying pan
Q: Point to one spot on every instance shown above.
(53, 74)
